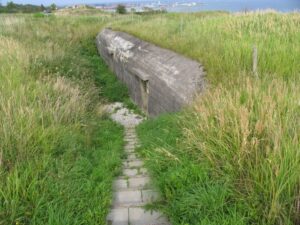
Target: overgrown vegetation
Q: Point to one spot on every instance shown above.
(58, 152)
(232, 157)
(227, 160)
(223, 42)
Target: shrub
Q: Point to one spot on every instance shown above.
(38, 15)
(121, 9)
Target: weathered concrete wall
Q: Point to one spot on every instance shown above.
(158, 80)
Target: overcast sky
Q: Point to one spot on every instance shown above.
(63, 2)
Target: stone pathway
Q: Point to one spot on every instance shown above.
(132, 190)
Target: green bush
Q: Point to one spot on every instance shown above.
(38, 15)
(121, 9)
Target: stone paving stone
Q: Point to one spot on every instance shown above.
(143, 171)
(135, 163)
(131, 156)
(120, 184)
(138, 182)
(150, 196)
(130, 145)
(127, 197)
(129, 151)
(130, 128)
(130, 148)
(118, 216)
(138, 216)
(125, 164)
(130, 172)
(130, 138)
(131, 159)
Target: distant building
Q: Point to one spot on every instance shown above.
(47, 12)
(78, 6)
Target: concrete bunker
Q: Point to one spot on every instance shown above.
(158, 80)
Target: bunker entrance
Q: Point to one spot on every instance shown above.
(144, 87)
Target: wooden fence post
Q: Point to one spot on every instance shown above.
(255, 61)
(181, 26)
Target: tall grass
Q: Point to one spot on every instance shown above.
(223, 42)
(232, 156)
(58, 153)
(250, 137)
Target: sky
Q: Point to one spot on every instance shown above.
(278, 4)
(62, 2)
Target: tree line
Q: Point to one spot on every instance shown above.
(121, 9)
(12, 7)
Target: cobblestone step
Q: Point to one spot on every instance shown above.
(133, 163)
(132, 183)
(135, 216)
(137, 176)
(139, 216)
(135, 197)
(131, 156)
(134, 172)
(118, 216)
(128, 198)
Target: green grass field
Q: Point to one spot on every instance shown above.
(232, 157)
(223, 42)
(58, 152)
